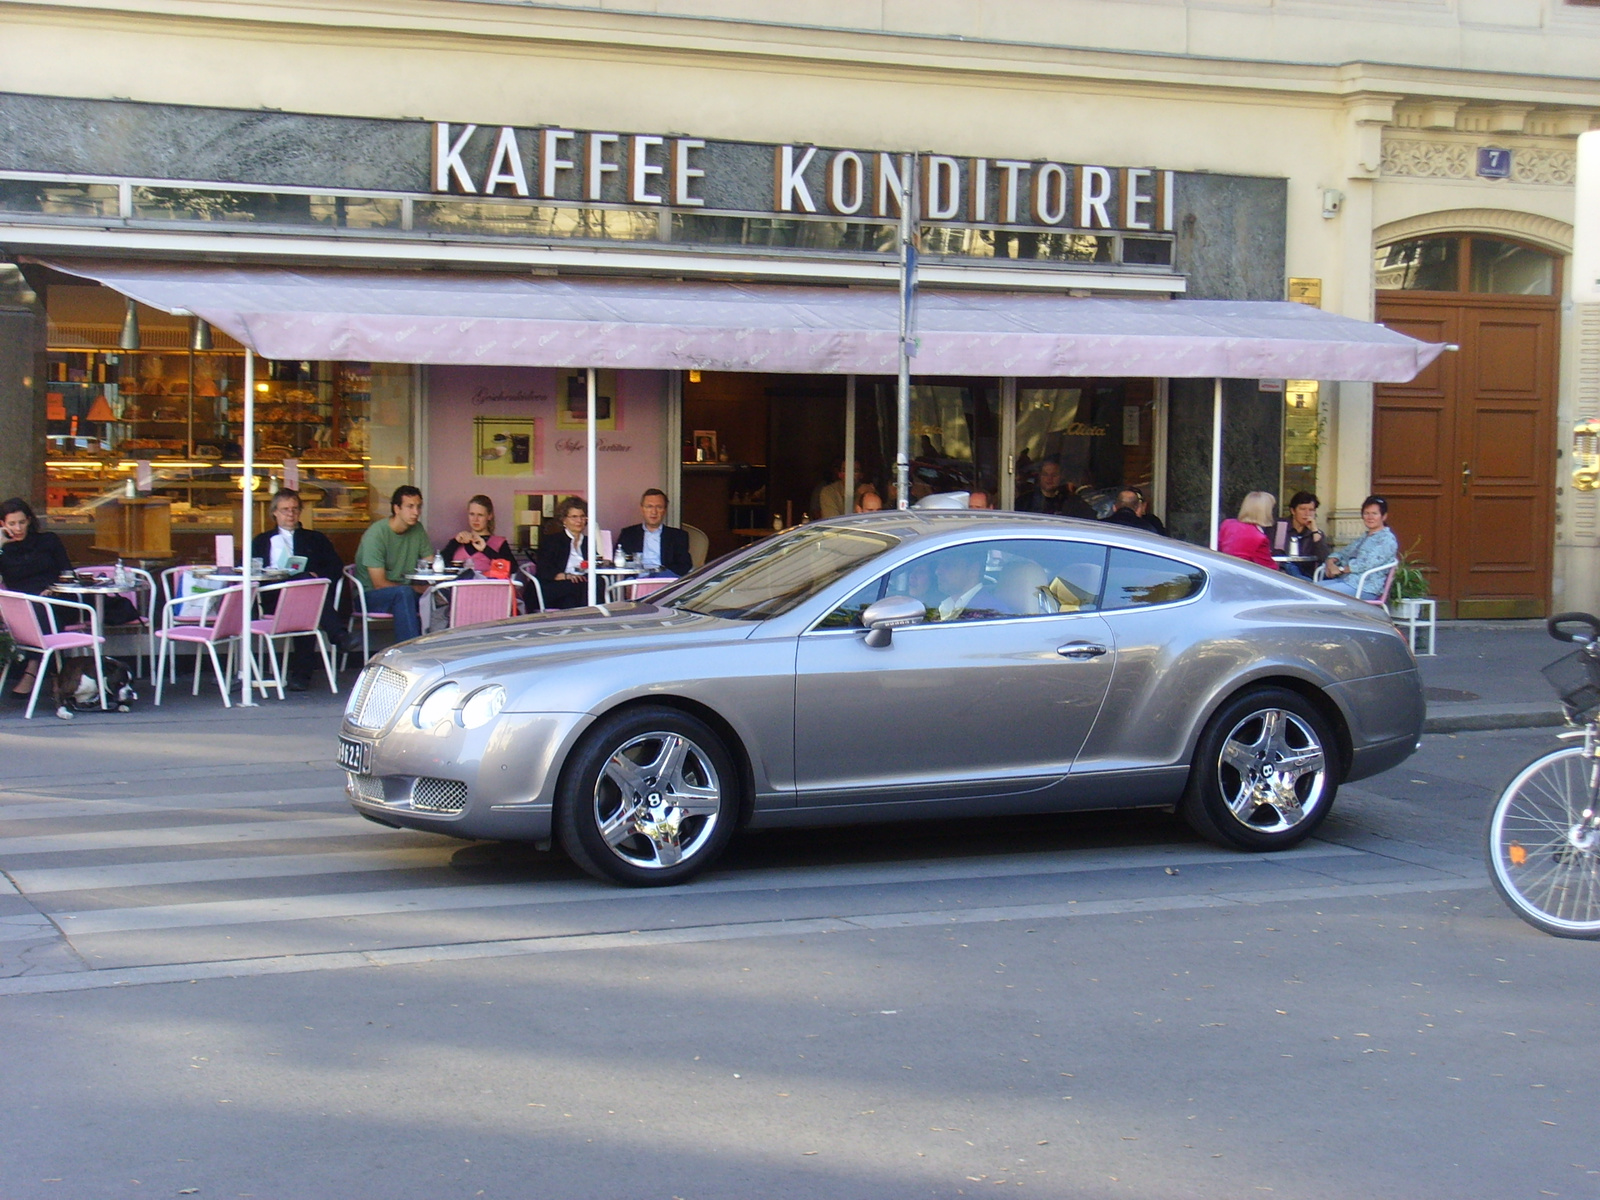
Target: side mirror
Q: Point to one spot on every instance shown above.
(884, 616)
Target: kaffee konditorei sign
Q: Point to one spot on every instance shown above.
(684, 172)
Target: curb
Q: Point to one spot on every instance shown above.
(1469, 717)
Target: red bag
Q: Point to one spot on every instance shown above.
(500, 568)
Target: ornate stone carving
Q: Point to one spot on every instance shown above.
(1427, 159)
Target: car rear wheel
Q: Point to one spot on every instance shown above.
(649, 798)
(1264, 772)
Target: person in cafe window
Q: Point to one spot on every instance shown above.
(389, 552)
(1298, 535)
(662, 550)
(1246, 536)
(478, 546)
(289, 540)
(563, 563)
(1374, 548)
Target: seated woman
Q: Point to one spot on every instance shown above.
(1297, 534)
(1374, 548)
(1245, 537)
(478, 545)
(31, 559)
(563, 562)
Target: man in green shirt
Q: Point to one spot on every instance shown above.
(388, 553)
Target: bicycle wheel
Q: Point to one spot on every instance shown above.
(1544, 857)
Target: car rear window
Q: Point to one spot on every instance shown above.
(1135, 580)
(785, 571)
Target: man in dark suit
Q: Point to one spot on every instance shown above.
(274, 547)
(662, 551)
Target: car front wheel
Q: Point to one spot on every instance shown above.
(1264, 772)
(649, 798)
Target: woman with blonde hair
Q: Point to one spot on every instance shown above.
(478, 545)
(1245, 537)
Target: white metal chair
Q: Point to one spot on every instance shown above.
(221, 623)
(143, 596)
(298, 614)
(699, 544)
(1387, 570)
(525, 571)
(358, 609)
(475, 601)
(29, 635)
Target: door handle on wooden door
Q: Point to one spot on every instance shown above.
(1466, 476)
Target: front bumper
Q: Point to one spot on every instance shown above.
(495, 782)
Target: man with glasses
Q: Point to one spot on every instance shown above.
(276, 547)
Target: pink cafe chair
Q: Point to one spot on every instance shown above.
(637, 589)
(358, 610)
(142, 595)
(474, 601)
(297, 615)
(21, 617)
(220, 623)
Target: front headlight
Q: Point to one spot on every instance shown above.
(437, 706)
(483, 706)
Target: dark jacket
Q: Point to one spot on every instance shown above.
(552, 558)
(321, 558)
(674, 547)
(34, 563)
(1062, 504)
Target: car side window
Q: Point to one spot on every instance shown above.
(1135, 579)
(989, 580)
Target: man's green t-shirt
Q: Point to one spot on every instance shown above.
(396, 554)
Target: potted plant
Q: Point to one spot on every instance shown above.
(1410, 583)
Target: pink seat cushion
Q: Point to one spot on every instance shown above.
(69, 641)
(197, 634)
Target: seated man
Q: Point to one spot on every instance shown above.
(662, 550)
(389, 552)
(275, 547)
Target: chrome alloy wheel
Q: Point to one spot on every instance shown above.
(1272, 771)
(657, 800)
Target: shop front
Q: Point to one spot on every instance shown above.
(601, 241)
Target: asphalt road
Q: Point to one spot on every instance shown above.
(215, 980)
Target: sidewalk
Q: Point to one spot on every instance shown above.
(1486, 676)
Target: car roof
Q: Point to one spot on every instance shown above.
(933, 522)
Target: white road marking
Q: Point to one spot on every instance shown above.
(210, 870)
(333, 825)
(466, 951)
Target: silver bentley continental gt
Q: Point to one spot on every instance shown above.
(887, 666)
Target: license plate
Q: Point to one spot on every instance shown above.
(354, 756)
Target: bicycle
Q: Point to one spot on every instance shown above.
(1543, 833)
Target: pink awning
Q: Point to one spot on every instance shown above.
(441, 317)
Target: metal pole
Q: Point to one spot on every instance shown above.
(247, 516)
(850, 443)
(594, 508)
(908, 291)
(1216, 460)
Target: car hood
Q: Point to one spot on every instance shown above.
(506, 647)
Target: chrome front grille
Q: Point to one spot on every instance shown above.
(366, 787)
(438, 795)
(377, 697)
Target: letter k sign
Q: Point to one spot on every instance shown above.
(447, 159)
(790, 184)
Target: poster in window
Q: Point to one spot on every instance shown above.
(572, 407)
(505, 446)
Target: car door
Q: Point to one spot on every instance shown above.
(993, 695)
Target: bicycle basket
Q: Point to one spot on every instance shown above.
(1576, 679)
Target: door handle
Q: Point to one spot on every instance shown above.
(1081, 651)
(1466, 476)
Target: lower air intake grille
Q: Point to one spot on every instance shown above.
(367, 787)
(438, 795)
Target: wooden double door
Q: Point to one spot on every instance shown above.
(1465, 453)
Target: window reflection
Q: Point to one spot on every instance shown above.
(1135, 579)
(1428, 264)
(1511, 269)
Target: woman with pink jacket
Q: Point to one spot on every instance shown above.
(1245, 537)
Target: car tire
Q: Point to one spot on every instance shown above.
(649, 798)
(1264, 773)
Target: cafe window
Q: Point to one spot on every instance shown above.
(1099, 433)
(176, 402)
(1466, 263)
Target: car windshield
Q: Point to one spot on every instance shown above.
(784, 572)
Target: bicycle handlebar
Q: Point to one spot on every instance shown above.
(1589, 633)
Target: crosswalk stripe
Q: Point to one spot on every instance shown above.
(332, 825)
(634, 939)
(53, 880)
(67, 810)
(91, 922)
